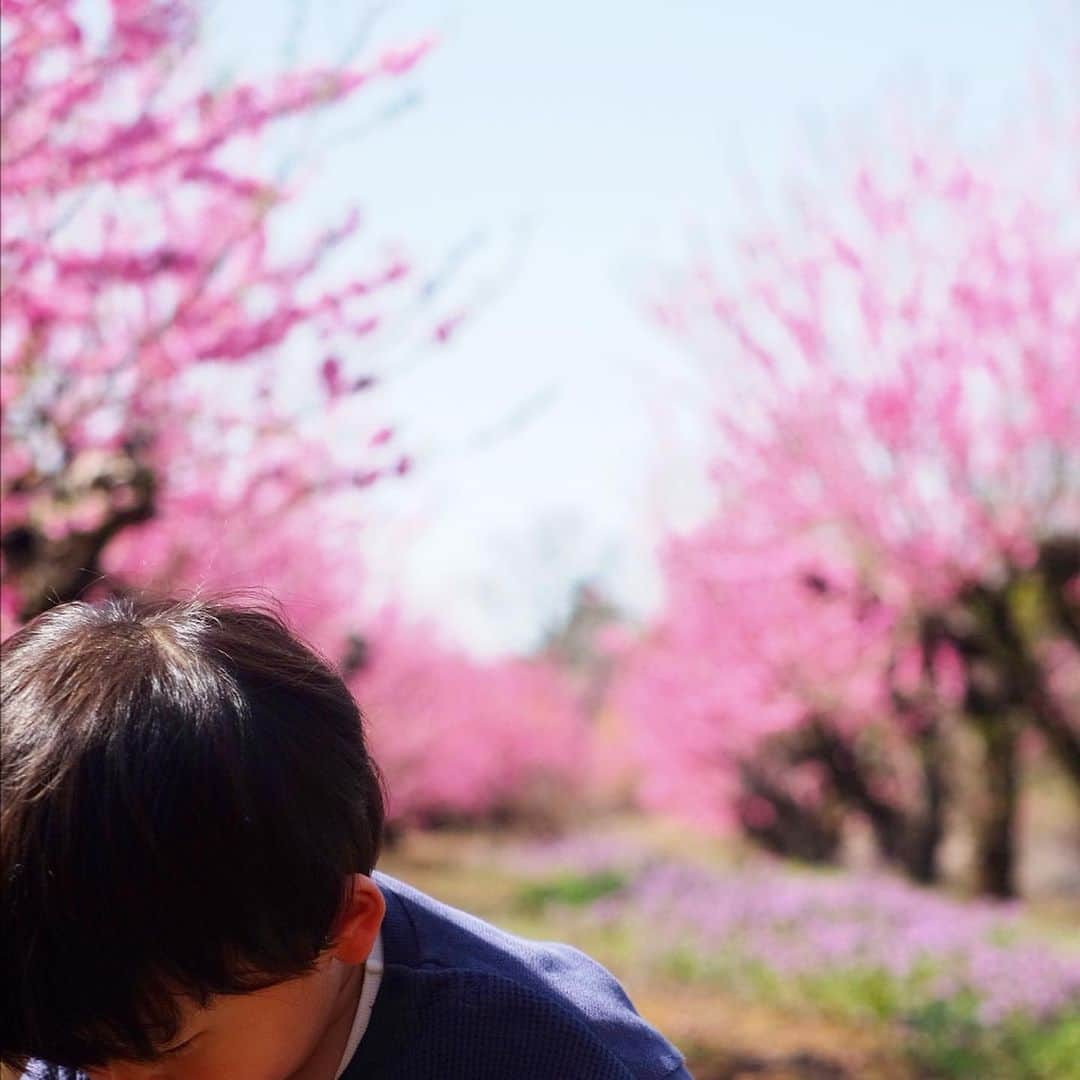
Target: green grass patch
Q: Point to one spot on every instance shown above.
(943, 1037)
(947, 1041)
(572, 890)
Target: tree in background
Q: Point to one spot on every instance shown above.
(184, 404)
(145, 315)
(463, 739)
(896, 543)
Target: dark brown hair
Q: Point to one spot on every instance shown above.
(185, 790)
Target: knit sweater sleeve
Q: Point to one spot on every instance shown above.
(450, 1024)
(556, 980)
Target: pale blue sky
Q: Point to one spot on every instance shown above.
(575, 143)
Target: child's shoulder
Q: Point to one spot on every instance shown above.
(544, 978)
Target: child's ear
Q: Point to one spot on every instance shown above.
(360, 921)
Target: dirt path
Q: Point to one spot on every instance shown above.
(725, 1038)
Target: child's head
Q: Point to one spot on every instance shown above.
(189, 812)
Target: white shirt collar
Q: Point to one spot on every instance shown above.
(373, 970)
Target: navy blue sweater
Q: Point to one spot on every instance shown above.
(463, 1000)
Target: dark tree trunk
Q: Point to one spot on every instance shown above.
(49, 571)
(1004, 691)
(854, 785)
(928, 830)
(921, 713)
(1021, 677)
(1059, 564)
(1057, 727)
(789, 828)
(996, 830)
(908, 837)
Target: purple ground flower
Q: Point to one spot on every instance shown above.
(802, 925)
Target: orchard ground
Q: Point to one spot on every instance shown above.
(721, 1034)
(856, 1003)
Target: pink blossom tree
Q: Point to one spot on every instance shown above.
(184, 408)
(464, 739)
(896, 541)
(147, 377)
